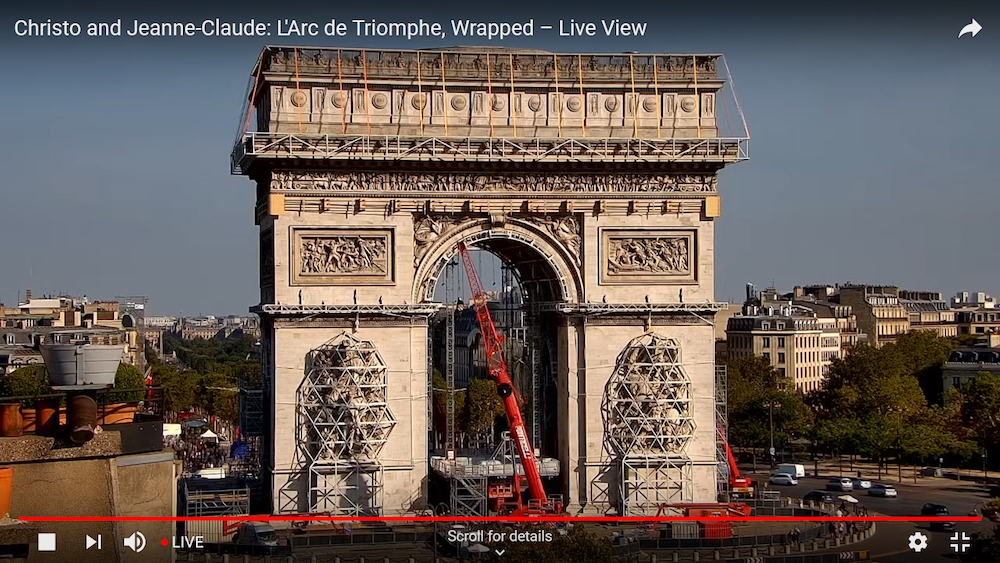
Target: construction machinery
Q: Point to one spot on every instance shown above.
(739, 486)
(539, 504)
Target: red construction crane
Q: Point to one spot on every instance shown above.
(738, 484)
(497, 368)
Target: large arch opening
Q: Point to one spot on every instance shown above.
(468, 434)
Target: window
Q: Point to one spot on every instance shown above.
(767, 341)
(781, 326)
(767, 356)
(979, 330)
(781, 342)
(765, 326)
(781, 357)
(956, 382)
(9, 338)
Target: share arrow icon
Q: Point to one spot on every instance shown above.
(972, 28)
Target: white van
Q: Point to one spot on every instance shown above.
(795, 469)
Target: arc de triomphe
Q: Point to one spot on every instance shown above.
(594, 176)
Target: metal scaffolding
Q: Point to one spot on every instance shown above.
(722, 423)
(648, 424)
(254, 145)
(344, 421)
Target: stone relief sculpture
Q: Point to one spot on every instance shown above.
(659, 255)
(565, 229)
(343, 255)
(429, 228)
(601, 183)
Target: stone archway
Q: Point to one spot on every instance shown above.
(551, 242)
(605, 198)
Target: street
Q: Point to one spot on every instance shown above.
(890, 543)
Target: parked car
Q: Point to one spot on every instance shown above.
(887, 491)
(783, 479)
(819, 496)
(842, 484)
(862, 484)
(931, 509)
(995, 491)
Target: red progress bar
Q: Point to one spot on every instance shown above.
(500, 519)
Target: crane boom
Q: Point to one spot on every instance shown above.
(497, 368)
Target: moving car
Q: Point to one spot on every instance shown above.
(862, 484)
(819, 496)
(842, 484)
(887, 491)
(931, 509)
(783, 479)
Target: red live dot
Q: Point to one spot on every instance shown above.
(164, 542)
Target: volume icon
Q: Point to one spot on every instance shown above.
(136, 541)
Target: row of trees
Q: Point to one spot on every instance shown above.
(879, 403)
(208, 375)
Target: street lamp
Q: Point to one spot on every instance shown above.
(770, 417)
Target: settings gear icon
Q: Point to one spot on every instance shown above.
(918, 542)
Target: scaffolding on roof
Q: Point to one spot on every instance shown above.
(256, 145)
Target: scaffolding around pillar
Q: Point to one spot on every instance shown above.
(648, 424)
(347, 489)
(344, 421)
(722, 423)
(647, 483)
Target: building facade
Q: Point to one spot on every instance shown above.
(929, 311)
(798, 344)
(880, 315)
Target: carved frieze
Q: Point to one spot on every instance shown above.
(471, 64)
(558, 183)
(334, 256)
(648, 256)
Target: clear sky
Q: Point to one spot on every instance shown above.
(873, 152)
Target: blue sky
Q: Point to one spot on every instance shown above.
(872, 156)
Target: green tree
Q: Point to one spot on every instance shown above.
(482, 407)
(218, 396)
(758, 394)
(980, 404)
(441, 390)
(985, 548)
(27, 381)
(128, 377)
(180, 388)
(923, 354)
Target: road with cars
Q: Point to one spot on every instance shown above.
(960, 498)
(891, 542)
